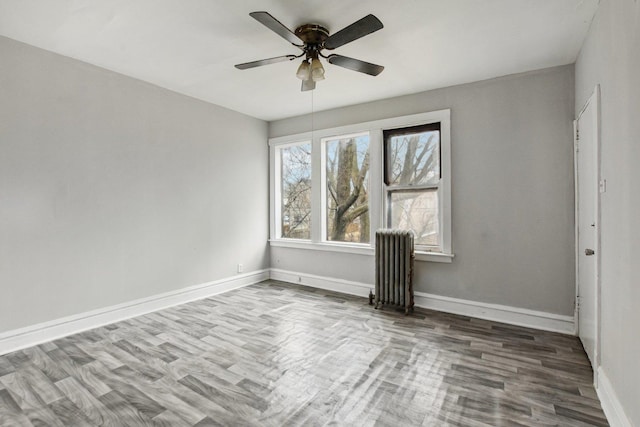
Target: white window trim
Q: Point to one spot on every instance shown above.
(377, 190)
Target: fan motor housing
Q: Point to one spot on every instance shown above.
(312, 33)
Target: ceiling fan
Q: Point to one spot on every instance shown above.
(312, 39)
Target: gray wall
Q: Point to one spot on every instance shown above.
(112, 189)
(611, 57)
(512, 197)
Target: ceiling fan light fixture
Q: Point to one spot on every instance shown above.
(317, 70)
(304, 70)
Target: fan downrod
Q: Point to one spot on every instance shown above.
(312, 34)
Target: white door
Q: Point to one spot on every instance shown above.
(587, 218)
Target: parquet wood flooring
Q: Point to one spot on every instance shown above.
(276, 354)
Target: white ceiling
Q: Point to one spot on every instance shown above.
(191, 46)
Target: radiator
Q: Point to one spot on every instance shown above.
(394, 268)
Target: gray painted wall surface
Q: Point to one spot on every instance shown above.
(512, 198)
(112, 189)
(610, 57)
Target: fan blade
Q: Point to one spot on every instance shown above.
(361, 28)
(276, 26)
(308, 85)
(355, 64)
(262, 62)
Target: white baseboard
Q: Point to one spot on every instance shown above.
(499, 313)
(610, 403)
(43, 332)
(321, 282)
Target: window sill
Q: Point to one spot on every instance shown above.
(353, 249)
(434, 257)
(329, 247)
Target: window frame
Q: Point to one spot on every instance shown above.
(389, 189)
(377, 195)
(323, 181)
(276, 189)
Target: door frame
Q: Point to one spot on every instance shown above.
(596, 185)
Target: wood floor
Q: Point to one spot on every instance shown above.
(275, 354)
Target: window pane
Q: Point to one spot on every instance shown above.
(417, 211)
(295, 200)
(348, 189)
(413, 158)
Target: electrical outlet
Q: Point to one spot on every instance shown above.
(240, 268)
(603, 185)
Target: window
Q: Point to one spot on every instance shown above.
(333, 188)
(347, 188)
(412, 182)
(295, 191)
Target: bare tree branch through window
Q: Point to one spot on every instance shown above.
(295, 162)
(347, 172)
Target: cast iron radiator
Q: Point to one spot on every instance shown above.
(394, 268)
